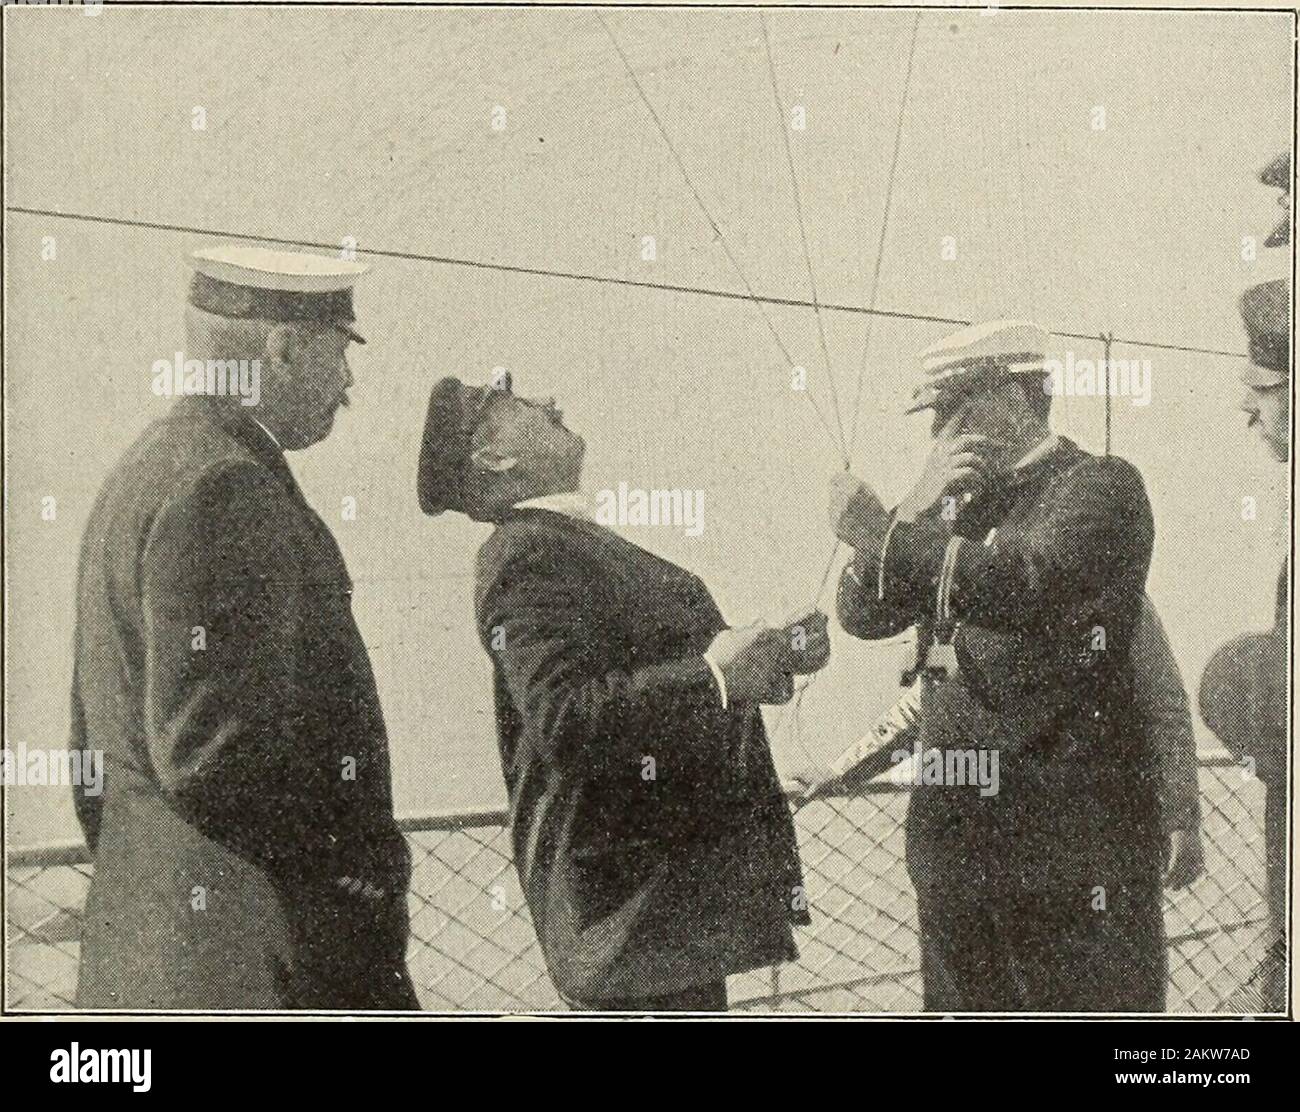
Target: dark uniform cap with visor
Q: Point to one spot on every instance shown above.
(455, 411)
(1266, 312)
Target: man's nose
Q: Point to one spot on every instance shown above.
(949, 424)
(1247, 403)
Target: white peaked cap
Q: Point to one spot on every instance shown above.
(977, 353)
(264, 268)
(239, 280)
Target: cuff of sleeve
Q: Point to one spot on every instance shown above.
(719, 678)
(884, 555)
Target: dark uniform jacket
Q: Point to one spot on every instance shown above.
(1243, 693)
(1047, 590)
(247, 786)
(654, 845)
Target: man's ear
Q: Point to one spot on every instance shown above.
(282, 344)
(488, 458)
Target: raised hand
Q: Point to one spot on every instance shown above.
(856, 514)
(957, 465)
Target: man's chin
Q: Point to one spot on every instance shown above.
(1279, 449)
(570, 473)
(320, 431)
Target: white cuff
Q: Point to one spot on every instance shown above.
(717, 675)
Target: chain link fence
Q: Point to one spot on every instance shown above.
(473, 948)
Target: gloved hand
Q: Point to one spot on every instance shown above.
(958, 465)
(758, 662)
(856, 514)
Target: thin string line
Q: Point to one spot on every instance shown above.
(721, 239)
(791, 710)
(866, 346)
(884, 231)
(576, 276)
(783, 124)
(708, 216)
(1107, 340)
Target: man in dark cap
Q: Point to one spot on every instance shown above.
(244, 845)
(1021, 560)
(653, 843)
(1243, 696)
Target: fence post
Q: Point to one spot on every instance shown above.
(1107, 338)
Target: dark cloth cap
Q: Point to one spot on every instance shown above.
(1278, 174)
(1266, 311)
(455, 411)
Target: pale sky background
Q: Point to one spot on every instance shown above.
(376, 124)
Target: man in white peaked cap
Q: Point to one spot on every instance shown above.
(245, 851)
(1021, 560)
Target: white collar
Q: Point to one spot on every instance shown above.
(568, 503)
(1037, 452)
(268, 432)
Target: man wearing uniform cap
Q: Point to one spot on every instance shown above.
(245, 852)
(653, 843)
(1022, 560)
(1243, 697)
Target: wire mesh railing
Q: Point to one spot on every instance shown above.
(472, 945)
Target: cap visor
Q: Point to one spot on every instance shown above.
(350, 332)
(1278, 172)
(1262, 377)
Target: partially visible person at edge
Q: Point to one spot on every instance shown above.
(1243, 696)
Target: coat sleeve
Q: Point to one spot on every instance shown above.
(858, 603)
(220, 591)
(586, 717)
(89, 808)
(1243, 700)
(1243, 693)
(1096, 532)
(1166, 711)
